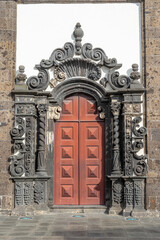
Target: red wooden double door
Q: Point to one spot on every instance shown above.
(79, 155)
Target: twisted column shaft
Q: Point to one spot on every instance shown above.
(41, 168)
(116, 168)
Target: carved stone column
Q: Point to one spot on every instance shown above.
(41, 164)
(115, 108)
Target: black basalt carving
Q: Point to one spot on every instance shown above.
(141, 131)
(78, 68)
(39, 82)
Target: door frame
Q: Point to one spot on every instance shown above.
(93, 89)
(79, 68)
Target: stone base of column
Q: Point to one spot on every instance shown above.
(115, 210)
(41, 173)
(127, 212)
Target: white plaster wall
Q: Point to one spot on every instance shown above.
(115, 28)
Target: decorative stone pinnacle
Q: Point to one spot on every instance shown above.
(135, 75)
(78, 34)
(20, 79)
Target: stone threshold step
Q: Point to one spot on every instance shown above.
(79, 208)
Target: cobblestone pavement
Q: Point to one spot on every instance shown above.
(58, 226)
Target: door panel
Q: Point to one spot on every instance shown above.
(88, 108)
(91, 163)
(69, 109)
(79, 157)
(66, 163)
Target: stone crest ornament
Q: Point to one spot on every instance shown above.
(78, 34)
(89, 64)
(79, 69)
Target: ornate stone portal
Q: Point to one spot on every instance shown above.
(79, 68)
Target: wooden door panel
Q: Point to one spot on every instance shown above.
(79, 158)
(88, 108)
(69, 109)
(66, 163)
(91, 162)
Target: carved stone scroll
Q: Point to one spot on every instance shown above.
(140, 165)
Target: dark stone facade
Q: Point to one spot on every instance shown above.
(141, 191)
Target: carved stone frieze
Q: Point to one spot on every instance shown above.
(25, 109)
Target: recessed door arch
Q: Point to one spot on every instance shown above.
(79, 153)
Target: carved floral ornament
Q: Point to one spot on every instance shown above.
(80, 61)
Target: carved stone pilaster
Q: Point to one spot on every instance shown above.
(41, 164)
(115, 108)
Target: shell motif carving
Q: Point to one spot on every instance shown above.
(77, 67)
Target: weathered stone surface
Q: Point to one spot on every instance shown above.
(7, 75)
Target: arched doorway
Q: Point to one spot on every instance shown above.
(79, 153)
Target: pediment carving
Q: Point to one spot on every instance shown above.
(84, 61)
